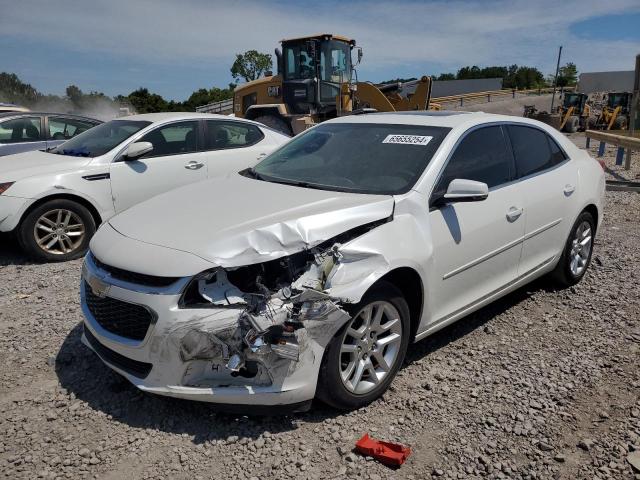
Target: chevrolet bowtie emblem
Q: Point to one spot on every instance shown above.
(98, 287)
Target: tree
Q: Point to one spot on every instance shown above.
(251, 65)
(146, 102)
(568, 75)
(13, 90)
(446, 76)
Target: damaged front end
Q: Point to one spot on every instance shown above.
(268, 319)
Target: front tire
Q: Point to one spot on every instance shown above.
(56, 231)
(572, 124)
(363, 358)
(577, 252)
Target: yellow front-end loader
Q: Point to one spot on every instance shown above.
(316, 80)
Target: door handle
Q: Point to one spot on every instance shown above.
(514, 213)
(569, 189)
(261, 156)
(193, 165)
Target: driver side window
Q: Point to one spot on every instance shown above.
(172, 139)
(483, 156)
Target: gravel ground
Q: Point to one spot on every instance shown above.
(541, 384)
(505, 105)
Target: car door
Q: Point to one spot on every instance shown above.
(22, 134)
(547, 180)
(175, 160)
(60, 129)
(476, 245)
(233, 146)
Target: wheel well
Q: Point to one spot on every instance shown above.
(85, 203)
(408, 281)
(593, 210)
(259, 112)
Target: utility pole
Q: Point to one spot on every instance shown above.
(634, 114)
(555, 80)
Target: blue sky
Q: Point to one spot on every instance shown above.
(174, 48)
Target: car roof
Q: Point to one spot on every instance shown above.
(163, 116)
(433, 118)
(29, 114)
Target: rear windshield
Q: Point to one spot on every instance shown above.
(355, 157)
(99, 140)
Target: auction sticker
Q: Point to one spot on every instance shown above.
(408, 139)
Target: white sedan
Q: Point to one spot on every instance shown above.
(358, 237)
(55, 200)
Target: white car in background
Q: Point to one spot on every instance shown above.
(55, 200)
(359, 236)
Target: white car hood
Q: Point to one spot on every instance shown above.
(234, 220)
(27, 164)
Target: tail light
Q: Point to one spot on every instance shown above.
(602, 164)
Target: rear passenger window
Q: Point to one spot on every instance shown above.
(533, 149)
(221, 134)
(482, 156)
(557, 155)
(61, 128)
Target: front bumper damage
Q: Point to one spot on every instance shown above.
(247, 336)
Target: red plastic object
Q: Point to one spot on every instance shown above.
(388, 453)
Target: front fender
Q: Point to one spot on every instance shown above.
(403, 242)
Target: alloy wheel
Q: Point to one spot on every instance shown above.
(370, 347)
(59, 231)
(580, 249)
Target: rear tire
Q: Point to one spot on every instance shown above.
(577, 252)
(274, 122)
(56, 231)
(375, 353)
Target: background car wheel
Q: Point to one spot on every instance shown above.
(576, 256)
(274, 122)
(362, 359)
(57, 231)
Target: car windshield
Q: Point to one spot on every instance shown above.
(355, 157)
(99, 140)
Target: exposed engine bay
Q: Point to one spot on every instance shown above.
(264, 316)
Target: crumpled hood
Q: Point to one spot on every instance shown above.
(234, 220)
(27, 164)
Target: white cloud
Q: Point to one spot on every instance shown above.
(403, 34)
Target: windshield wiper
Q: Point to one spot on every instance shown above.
(251, 173)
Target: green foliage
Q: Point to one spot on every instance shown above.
(251, 65)
(446, 76)
(13, 90)
(567, 75)
(512, 76)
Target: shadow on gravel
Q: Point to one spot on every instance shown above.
(82, 373)
(10, 252)
(473, 321)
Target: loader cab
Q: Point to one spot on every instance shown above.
(619, 99)
(313, 70)
(576, 100)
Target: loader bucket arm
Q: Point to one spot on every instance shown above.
(370, 96)
(422, 96)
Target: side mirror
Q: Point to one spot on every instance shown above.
(137, 149)
(461, 190)
(359, 56)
